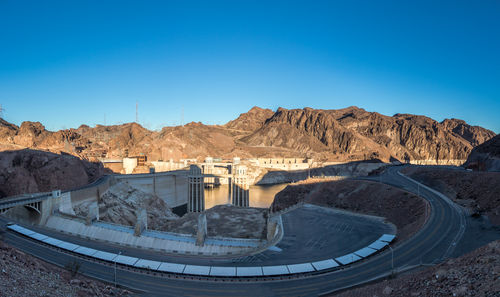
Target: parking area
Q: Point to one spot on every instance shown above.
(314, 233)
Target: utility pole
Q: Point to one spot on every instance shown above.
(392, 260)
(136, 112)
(115, 265)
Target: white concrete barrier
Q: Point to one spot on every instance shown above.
(216, 271)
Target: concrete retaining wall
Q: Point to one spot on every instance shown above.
(95, 232)
(172, 188)
(91, 192)
(65, 206)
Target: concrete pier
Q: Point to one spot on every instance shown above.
(196, 189)
(93, 214)
(208, 169)
(201, 232)
(240, 186)
(142, 222)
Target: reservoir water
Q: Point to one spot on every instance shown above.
(260, 196)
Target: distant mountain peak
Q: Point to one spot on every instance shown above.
(250, 120)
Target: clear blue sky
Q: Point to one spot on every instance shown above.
(66, 63)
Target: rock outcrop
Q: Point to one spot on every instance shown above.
(31, 171)
(486, 156)
(122, 204)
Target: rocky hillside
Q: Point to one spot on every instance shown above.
(477, 191)
(24, 275)
(474, 274)
(486, 156)
(348, 134)
(31, 171)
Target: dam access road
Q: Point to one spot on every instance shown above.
(432, 244)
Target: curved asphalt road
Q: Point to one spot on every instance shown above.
(431, 244)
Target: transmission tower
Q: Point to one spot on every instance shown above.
(1, 111)
(182, 116)
(137, 112)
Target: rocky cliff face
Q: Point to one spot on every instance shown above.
(30, 171)
(353, 134)
(348, 134)
(251, 120)
(486, 156)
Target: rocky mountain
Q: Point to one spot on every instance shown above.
(486, 156)
(355, 134)
(31, 171)
(251, 120)
(347, 134)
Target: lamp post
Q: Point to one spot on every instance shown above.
(119, 253)
(392, 259)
